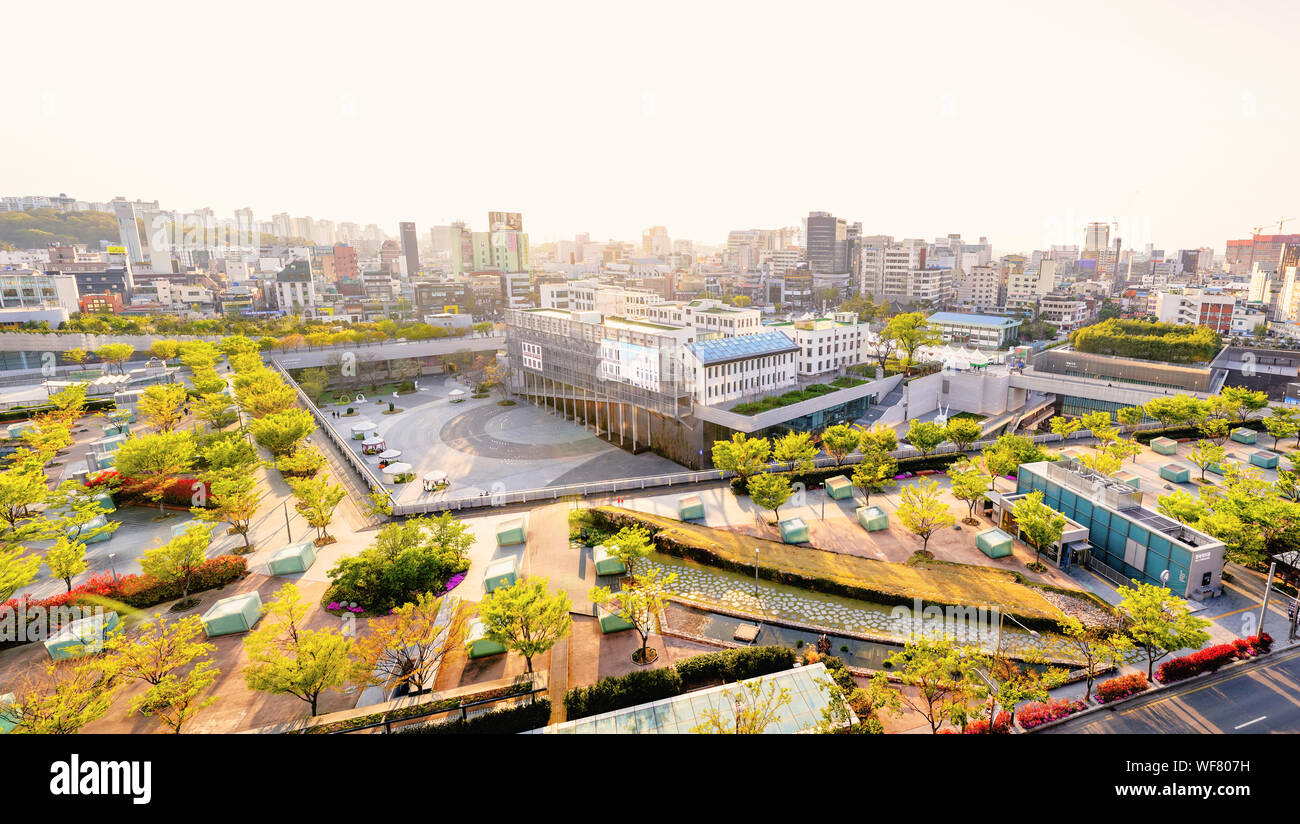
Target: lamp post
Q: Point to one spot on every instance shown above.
(755, 573)
(112, 566)
(288, 533)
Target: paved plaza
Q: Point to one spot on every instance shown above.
(485, 448)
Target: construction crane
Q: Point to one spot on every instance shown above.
(1283, 221)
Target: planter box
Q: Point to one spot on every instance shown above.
(793, 531)
(95, 523)
(238, 613)
(105, 502)
(994, 543)
(82, 637)
(500, 573)
(609, 622)
(1243, 435)
(873, 518)
(292, 558)
(1164, 446)
(607, 564)
(1264, 459)
(512, 532)
(690, 508)
(477, 645)
(1175, 473)
(117, 429)
(839, 488)
(180, 529)
(1220, 468)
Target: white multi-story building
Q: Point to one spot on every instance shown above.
(707, 316)
(826, 345)
(726, 370)
(1026, 287)
(592, 296)
(1065, 312)
(980, 288)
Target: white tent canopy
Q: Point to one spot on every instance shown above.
(399, 468)
(363, 426)
(390, 455)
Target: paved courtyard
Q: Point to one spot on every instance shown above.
(485, 448)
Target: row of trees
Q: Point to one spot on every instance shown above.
(946, 683)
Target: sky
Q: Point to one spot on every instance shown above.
(1016, 121)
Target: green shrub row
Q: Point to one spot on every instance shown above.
(505, 721)
(1146, 435)
(734, 664)
(817, 477)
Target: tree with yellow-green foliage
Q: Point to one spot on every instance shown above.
(285, 658)
(162, 405)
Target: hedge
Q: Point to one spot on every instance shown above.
(1146, 435)
(642, 687)
(176, 492)
(735, 664)
(1169, 342)
(980, 726)
(817, 477)
(617, 692)
(1212, 658)
(1121, 687)
(505, 721)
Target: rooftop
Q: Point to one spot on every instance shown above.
(724, 350)
(681, 713)
(972, 320)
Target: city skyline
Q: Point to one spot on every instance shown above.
(1176, 125)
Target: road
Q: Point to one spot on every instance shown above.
(1260, 697)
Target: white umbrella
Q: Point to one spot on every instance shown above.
(390, 455)
(363, 426)
(433, 479)
(399, 468)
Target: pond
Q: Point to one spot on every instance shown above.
(734, 591)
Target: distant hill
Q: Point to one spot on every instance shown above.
(34, 229)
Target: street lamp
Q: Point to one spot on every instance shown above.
(111, 566)
(755, 573)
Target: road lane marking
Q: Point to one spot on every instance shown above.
(1248, 723)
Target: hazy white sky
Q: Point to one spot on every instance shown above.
(1016, 121)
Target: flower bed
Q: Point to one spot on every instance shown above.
(1036, 713)
(980, 726)
(1212, 658)
(1121, 687)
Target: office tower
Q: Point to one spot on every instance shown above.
(410, 248)
(1096, 238)
(827, 245)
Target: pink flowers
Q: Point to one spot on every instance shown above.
(1036, 714)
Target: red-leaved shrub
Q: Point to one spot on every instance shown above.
(1036, 713)
(980, 726)
(1121, 687)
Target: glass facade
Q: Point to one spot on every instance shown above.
(1118, 540)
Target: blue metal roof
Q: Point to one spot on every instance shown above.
(974, 320)
(757, 345)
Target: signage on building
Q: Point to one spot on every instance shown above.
(508, 220)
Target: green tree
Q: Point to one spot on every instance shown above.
(963, 432)
(216, 411)
(744, 456)
(925, 436)
(281, 432)
(1205, 455)
(158, 654)
(753, 710)
(640, 604)
(1160, 622)
(1065, 427)
(1182, 507)
(235, 499)
(1214, 429)
(179, 560)
(1099, 649)
(770, 491)
(17, 569)
(874, 473)
(630, 544)
(66, 559)
(912, 332)
(923, 511)
(1125, 448)
(404, 649)
(115, 355)
(164, 349)
(152, 462)
(939, 677)
(304, 461)
(1246, 402)
(970, 483)
(526, 617)
(1130, 416)
(1040, 525)
(796, 450)
(58, 699)
(880, 437)
(285, 658)
(21, 489)
(264, 393)
(839, 441)
(161, 406)
(317, 499)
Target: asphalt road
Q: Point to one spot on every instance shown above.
(1259, 697)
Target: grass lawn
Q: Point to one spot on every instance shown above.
(941, 583)
(971, 415)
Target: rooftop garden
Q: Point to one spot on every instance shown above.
(815, 390)
(1147, 340)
